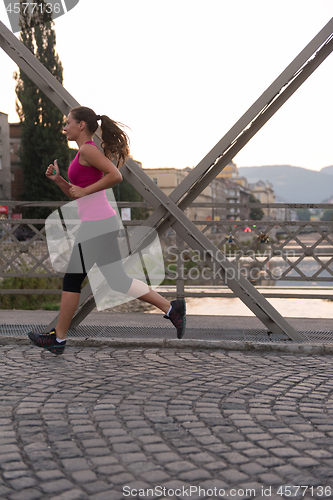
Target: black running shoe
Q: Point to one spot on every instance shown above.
(48, 341)
(177, 316)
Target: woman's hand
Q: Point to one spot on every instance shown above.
(52, 171)
(76, 192)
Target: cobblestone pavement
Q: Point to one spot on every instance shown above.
(107, 424)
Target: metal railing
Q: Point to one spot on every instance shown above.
(275, 255)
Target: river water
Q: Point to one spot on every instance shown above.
(288, 308)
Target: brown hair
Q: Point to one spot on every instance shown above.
(115, 141)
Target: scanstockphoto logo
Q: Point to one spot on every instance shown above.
(55, 7)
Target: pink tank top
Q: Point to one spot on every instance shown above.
(94, 206)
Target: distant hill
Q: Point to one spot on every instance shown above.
(293, 184)
(327, 170)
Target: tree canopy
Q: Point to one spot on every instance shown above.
(42, 137)
(303, 214)
(255, 213)
(327, 215)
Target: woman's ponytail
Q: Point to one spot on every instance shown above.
(115, 141)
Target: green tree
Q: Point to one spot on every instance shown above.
(124, 191)
(303, 214)
(255, 213)
(42, 137)
(327, 215)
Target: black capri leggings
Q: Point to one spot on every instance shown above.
(96, 243)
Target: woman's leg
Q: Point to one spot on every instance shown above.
(111, 265)
(68, 306)
(149, 296)
(175, 310)
(82, 259)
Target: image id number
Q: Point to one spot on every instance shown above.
(300, 491)
(33, 7)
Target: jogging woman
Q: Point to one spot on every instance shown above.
(90, 173)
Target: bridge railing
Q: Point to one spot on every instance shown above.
(274, 253)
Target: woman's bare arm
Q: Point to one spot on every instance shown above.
(52, 172)
(90, 155)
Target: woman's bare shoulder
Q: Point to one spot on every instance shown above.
(89, 153)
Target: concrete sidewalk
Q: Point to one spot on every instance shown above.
(152, 330)
(147, 319)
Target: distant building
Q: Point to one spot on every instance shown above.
(237, 193)
(167, 179)
(16, 170)
(11, 175)
(230, 171)
(224, 189)
(264, 192)
(5, 172)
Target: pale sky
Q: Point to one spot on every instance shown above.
(180, 73)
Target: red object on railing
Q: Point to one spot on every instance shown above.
(3, 212)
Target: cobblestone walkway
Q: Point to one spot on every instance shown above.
(107, 424)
